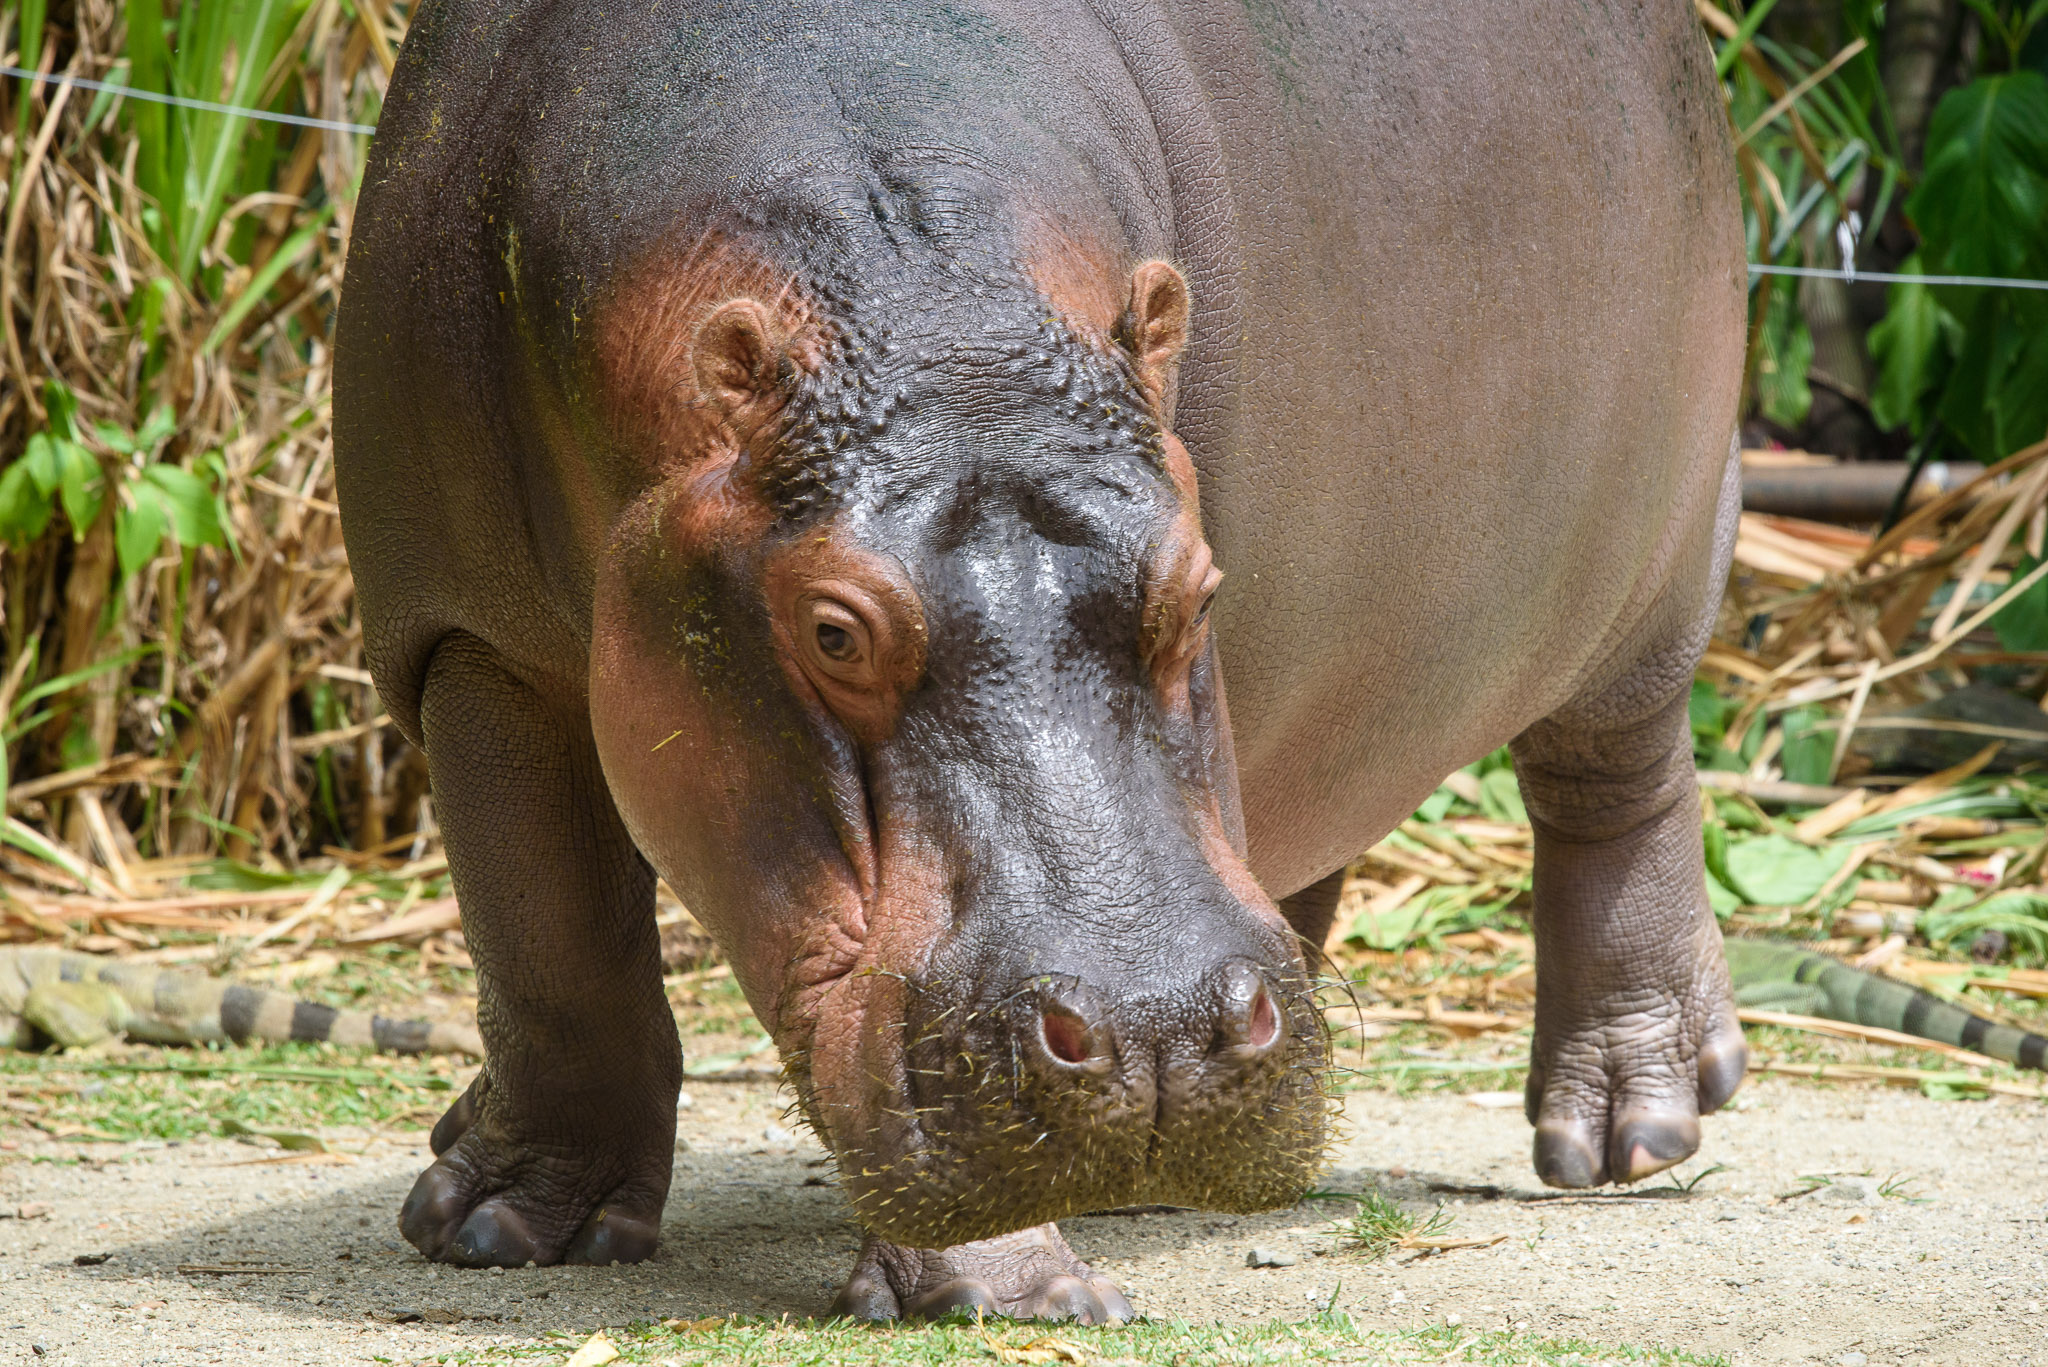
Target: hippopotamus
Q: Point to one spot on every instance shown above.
(831, 456)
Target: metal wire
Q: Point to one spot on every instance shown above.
(299, 120)
(302, 121)
(1825, 273)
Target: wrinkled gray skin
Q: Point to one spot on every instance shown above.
(1459, 384)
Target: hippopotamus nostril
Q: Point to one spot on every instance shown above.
(1248, 1023)
(1265, 1026)
(1066, 1037)
(1072, 1026)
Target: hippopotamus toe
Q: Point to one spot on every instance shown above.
(488, 1201)
(1031, 1274)
(1618, 1096)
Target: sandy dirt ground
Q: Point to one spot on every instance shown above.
(112, 1253)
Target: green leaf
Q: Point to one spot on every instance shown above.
(162, 422)
(1782, 391)
(1982, 202)
(39, 458)
(1731, 51)
(1435, 805)
(284, 1139)
(2022, 624)
(139, 531)
(114, 437)
(24, 508)
(1500, 797)
(1807, 754)
(190, 505)
(63, 407)
(1777, 871)
(1708, 713)
(1912, 348)
(81, 486)
(50, 688)
(1715, 838)
(2021, 915)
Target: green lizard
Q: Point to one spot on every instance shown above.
(81, 999)
(1780, 977)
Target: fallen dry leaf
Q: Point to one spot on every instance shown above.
(596, 1350)
(1041, 1350)
(705, 1325)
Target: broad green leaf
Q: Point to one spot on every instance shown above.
(189, 503)
(1500, 797)
(24, 508)
(114, 437)
(2019, 914)
(1723, 902)
(1714, 836)
(1912, 347)
(63, 408)
(162, 422)
(2022, 624)
(139, 531)
(81, 485)
(1708, 712)
(39, 458)
(2019, 397)
(1435, 805)
(1982, 202)
(1777, 871)
(1807, 753)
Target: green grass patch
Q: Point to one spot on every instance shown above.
(1381, 1224)
(1331, 1338)
(149, 1093)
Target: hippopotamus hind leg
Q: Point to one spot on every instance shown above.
(1636, 1035)
(561, 1149)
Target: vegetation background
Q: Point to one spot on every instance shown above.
(183, 676)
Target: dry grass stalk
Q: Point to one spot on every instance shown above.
(227, 711)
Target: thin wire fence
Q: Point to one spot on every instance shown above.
(209, 106)
(1897, 278)
(303, 121)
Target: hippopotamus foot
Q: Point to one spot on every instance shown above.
(1636, 1034)
(561, 1149)
(1029, 1275)
(495, 1198)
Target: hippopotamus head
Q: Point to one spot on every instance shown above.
(904, 674)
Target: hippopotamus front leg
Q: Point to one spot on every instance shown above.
(1636, 1035)
(561, 1149)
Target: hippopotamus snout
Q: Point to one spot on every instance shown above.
(1230, 1029)
(1109, 1082)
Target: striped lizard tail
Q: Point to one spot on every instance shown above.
(75, 998)
(1783, 978)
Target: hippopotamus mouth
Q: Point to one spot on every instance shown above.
(908, 685)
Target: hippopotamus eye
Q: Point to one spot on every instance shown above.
(841, 643)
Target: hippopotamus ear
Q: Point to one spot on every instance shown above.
(737, 361)
(1154, 329)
